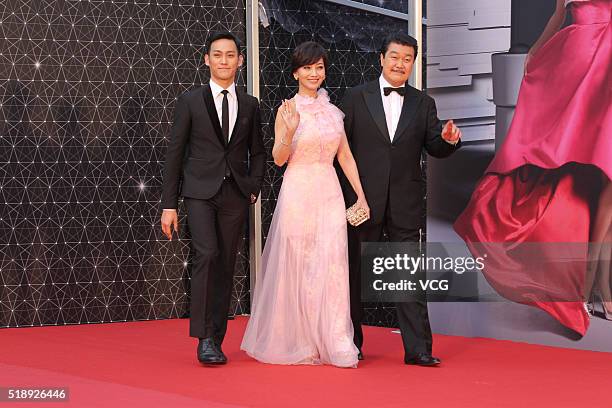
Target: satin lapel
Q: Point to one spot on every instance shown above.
(241, 108)
(409, 108)
(375, 106)
(212, 113)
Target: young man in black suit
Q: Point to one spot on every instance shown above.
(216, 147)
(388, 124)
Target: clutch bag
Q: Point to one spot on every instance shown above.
(356, 215)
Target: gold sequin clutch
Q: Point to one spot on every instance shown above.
(356, 215)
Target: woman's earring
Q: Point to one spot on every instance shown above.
(295, 77)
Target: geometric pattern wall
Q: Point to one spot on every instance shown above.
(87, 93)
(353, 38)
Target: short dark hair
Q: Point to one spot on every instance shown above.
(307, 53)
(402, 39)
(223, 35)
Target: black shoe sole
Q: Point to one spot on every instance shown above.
(212, 362)
(421, 364)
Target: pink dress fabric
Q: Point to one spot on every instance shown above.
(542, 186)
(300, 312)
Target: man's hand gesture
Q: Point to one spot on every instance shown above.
(169, 222)
(451, 133)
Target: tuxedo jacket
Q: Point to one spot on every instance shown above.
(390, 171)
(197, 153)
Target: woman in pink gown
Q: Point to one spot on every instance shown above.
(300, 312)
(550, 182)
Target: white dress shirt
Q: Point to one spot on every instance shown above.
(232, 101)
(392, 104)
(233, 108)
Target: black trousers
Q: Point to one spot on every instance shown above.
(216, 227)
(413, 317)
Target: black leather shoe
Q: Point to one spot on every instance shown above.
(422, 359)
(360, 356)
(223, 356)
(209, 354)
(218, 344)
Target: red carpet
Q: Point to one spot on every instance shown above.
(152, 364)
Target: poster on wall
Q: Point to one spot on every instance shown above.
(532, 193)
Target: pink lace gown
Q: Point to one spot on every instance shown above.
(300, 312)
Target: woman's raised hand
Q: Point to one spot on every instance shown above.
(290, 115)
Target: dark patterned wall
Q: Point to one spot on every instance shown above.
(353, 38)
(87, 91)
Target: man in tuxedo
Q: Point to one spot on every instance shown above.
(216, 147)
(388, 123)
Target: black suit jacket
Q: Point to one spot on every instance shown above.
(198, 153)
(392, 170)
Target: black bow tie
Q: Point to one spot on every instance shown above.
(387, 90)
